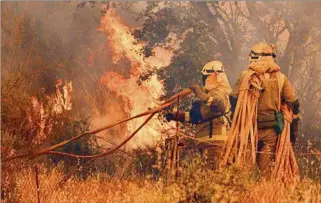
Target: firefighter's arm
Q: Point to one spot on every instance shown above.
(218, 102)
(287, 92)
(177, 116)
(193, 116)
(288, 96)
(199, 93)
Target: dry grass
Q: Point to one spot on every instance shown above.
(195, 184)
(98, 188)
(266, 192)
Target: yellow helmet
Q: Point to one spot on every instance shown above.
(212, 67)
(261, 49)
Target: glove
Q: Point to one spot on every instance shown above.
(169, 116)
(294, 130)
(199, 93)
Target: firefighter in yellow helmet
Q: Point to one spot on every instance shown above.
(210, 113)
(269, 120)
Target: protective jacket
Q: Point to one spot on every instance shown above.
(211, 113)
(269, 96)
(212, 117)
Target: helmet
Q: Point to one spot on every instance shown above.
(212, 67)
(261, 49)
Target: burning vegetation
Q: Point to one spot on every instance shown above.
(70, 67)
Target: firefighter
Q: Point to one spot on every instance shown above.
(210, 113)
(269, 119)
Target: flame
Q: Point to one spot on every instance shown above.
(136, 97)
(37, 119)
(39, 116)
(62, 99)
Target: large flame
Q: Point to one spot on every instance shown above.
(137, 97)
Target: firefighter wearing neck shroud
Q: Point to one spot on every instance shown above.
(275, 88)
(210, 113)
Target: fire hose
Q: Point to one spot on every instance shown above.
(150, 112)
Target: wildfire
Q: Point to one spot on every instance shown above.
(137, 97)
(58, 103)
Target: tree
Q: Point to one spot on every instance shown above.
(227, 31)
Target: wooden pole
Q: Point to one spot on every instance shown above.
(37, 184)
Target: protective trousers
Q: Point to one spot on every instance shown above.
(267, 144)
(212, 154)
